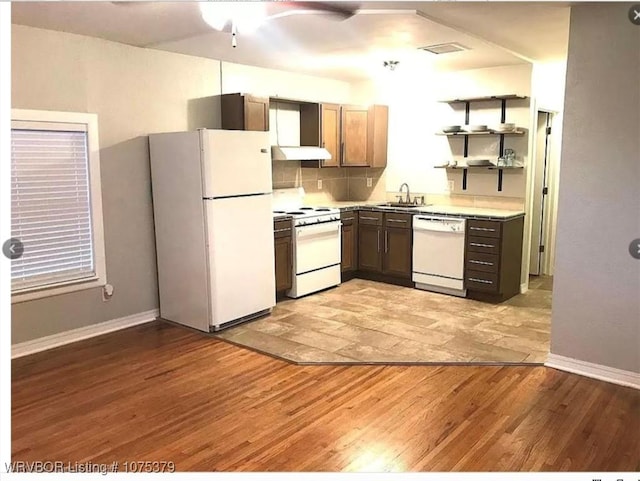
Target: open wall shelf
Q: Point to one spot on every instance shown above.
(488, 98)
(465, 135)
(478, 167)
(485, 133)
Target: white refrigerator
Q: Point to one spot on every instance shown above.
(214, 226)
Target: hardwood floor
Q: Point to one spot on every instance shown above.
(162, 393)
(363, 321)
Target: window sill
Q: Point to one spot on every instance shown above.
(57, 289)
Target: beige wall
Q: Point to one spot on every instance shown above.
(596, 297)
(135, 92)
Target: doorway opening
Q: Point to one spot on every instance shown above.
(544, 195)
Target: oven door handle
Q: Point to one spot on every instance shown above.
(318, 230)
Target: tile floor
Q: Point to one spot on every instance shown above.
(369, 322)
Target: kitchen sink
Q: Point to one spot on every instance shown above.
(398, 205)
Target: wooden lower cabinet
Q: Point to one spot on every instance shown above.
(283, 253)
(493, 259)
(397, 257)
(385, 243)
(349, 241)
(369, 258)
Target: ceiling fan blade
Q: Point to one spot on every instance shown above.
(124, 3)
(343, 10)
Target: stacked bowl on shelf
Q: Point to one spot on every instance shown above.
(505, 127)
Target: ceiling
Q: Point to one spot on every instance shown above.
(496, 33)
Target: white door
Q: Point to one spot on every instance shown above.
(540, 196)
(241, 257)
(317, 246)
(235, 162)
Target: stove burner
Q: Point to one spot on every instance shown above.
(323, 209)
(279, 212)
(307, 208)
(295, 213)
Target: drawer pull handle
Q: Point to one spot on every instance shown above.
(482, 263)
(397, 220)
(482, 281)
(288, 229)
(483, 229)
(475, 244)
(347, 219)
(364, 217)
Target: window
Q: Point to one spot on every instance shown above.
(56, 208)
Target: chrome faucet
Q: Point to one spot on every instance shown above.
(408, 201)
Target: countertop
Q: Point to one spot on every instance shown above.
(445, 210)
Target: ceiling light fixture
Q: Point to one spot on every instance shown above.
(244, 17)
(390, 64)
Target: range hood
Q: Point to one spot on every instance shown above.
(279, 152)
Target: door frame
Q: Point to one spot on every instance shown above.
(541, 168)
(553, 169)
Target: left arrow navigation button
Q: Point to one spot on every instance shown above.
(13, 248)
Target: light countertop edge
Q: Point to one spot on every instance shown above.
(443, 210)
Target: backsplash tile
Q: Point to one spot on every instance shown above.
(344, 184)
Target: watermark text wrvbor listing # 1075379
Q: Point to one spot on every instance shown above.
(89, 467)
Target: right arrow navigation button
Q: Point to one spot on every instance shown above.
(634, 248)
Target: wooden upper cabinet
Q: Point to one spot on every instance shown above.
(377, 135)
(355, 124)
(244, 112)
(365, 135)
(330, 115)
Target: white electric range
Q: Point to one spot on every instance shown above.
(316, 243)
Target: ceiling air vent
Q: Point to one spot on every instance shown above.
(444, 48)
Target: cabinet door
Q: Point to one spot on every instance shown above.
(283, 261)
(377, 132)
(256, 113)
(397, 252)
(369, 243)
(349, 242)
(331, 133)
(354, 136)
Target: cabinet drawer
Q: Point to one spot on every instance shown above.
(485, 245)
(370, 218)
(348, 218)
(484, 228)
(399, 221)
(282, 228)
(482, 262)
(481, 281)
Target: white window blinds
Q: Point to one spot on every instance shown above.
(50, 205)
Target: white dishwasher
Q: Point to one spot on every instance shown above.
(438, 254)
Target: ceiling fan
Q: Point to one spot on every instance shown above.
(247, 16)
(240, 16)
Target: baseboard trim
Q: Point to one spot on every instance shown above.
(595, 371)
(56, 340)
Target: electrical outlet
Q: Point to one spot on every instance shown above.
(369, 182)
(319, 184)
(107, 292)
(450, 185)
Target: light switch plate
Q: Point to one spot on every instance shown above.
(319, 184)
(369, 182)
